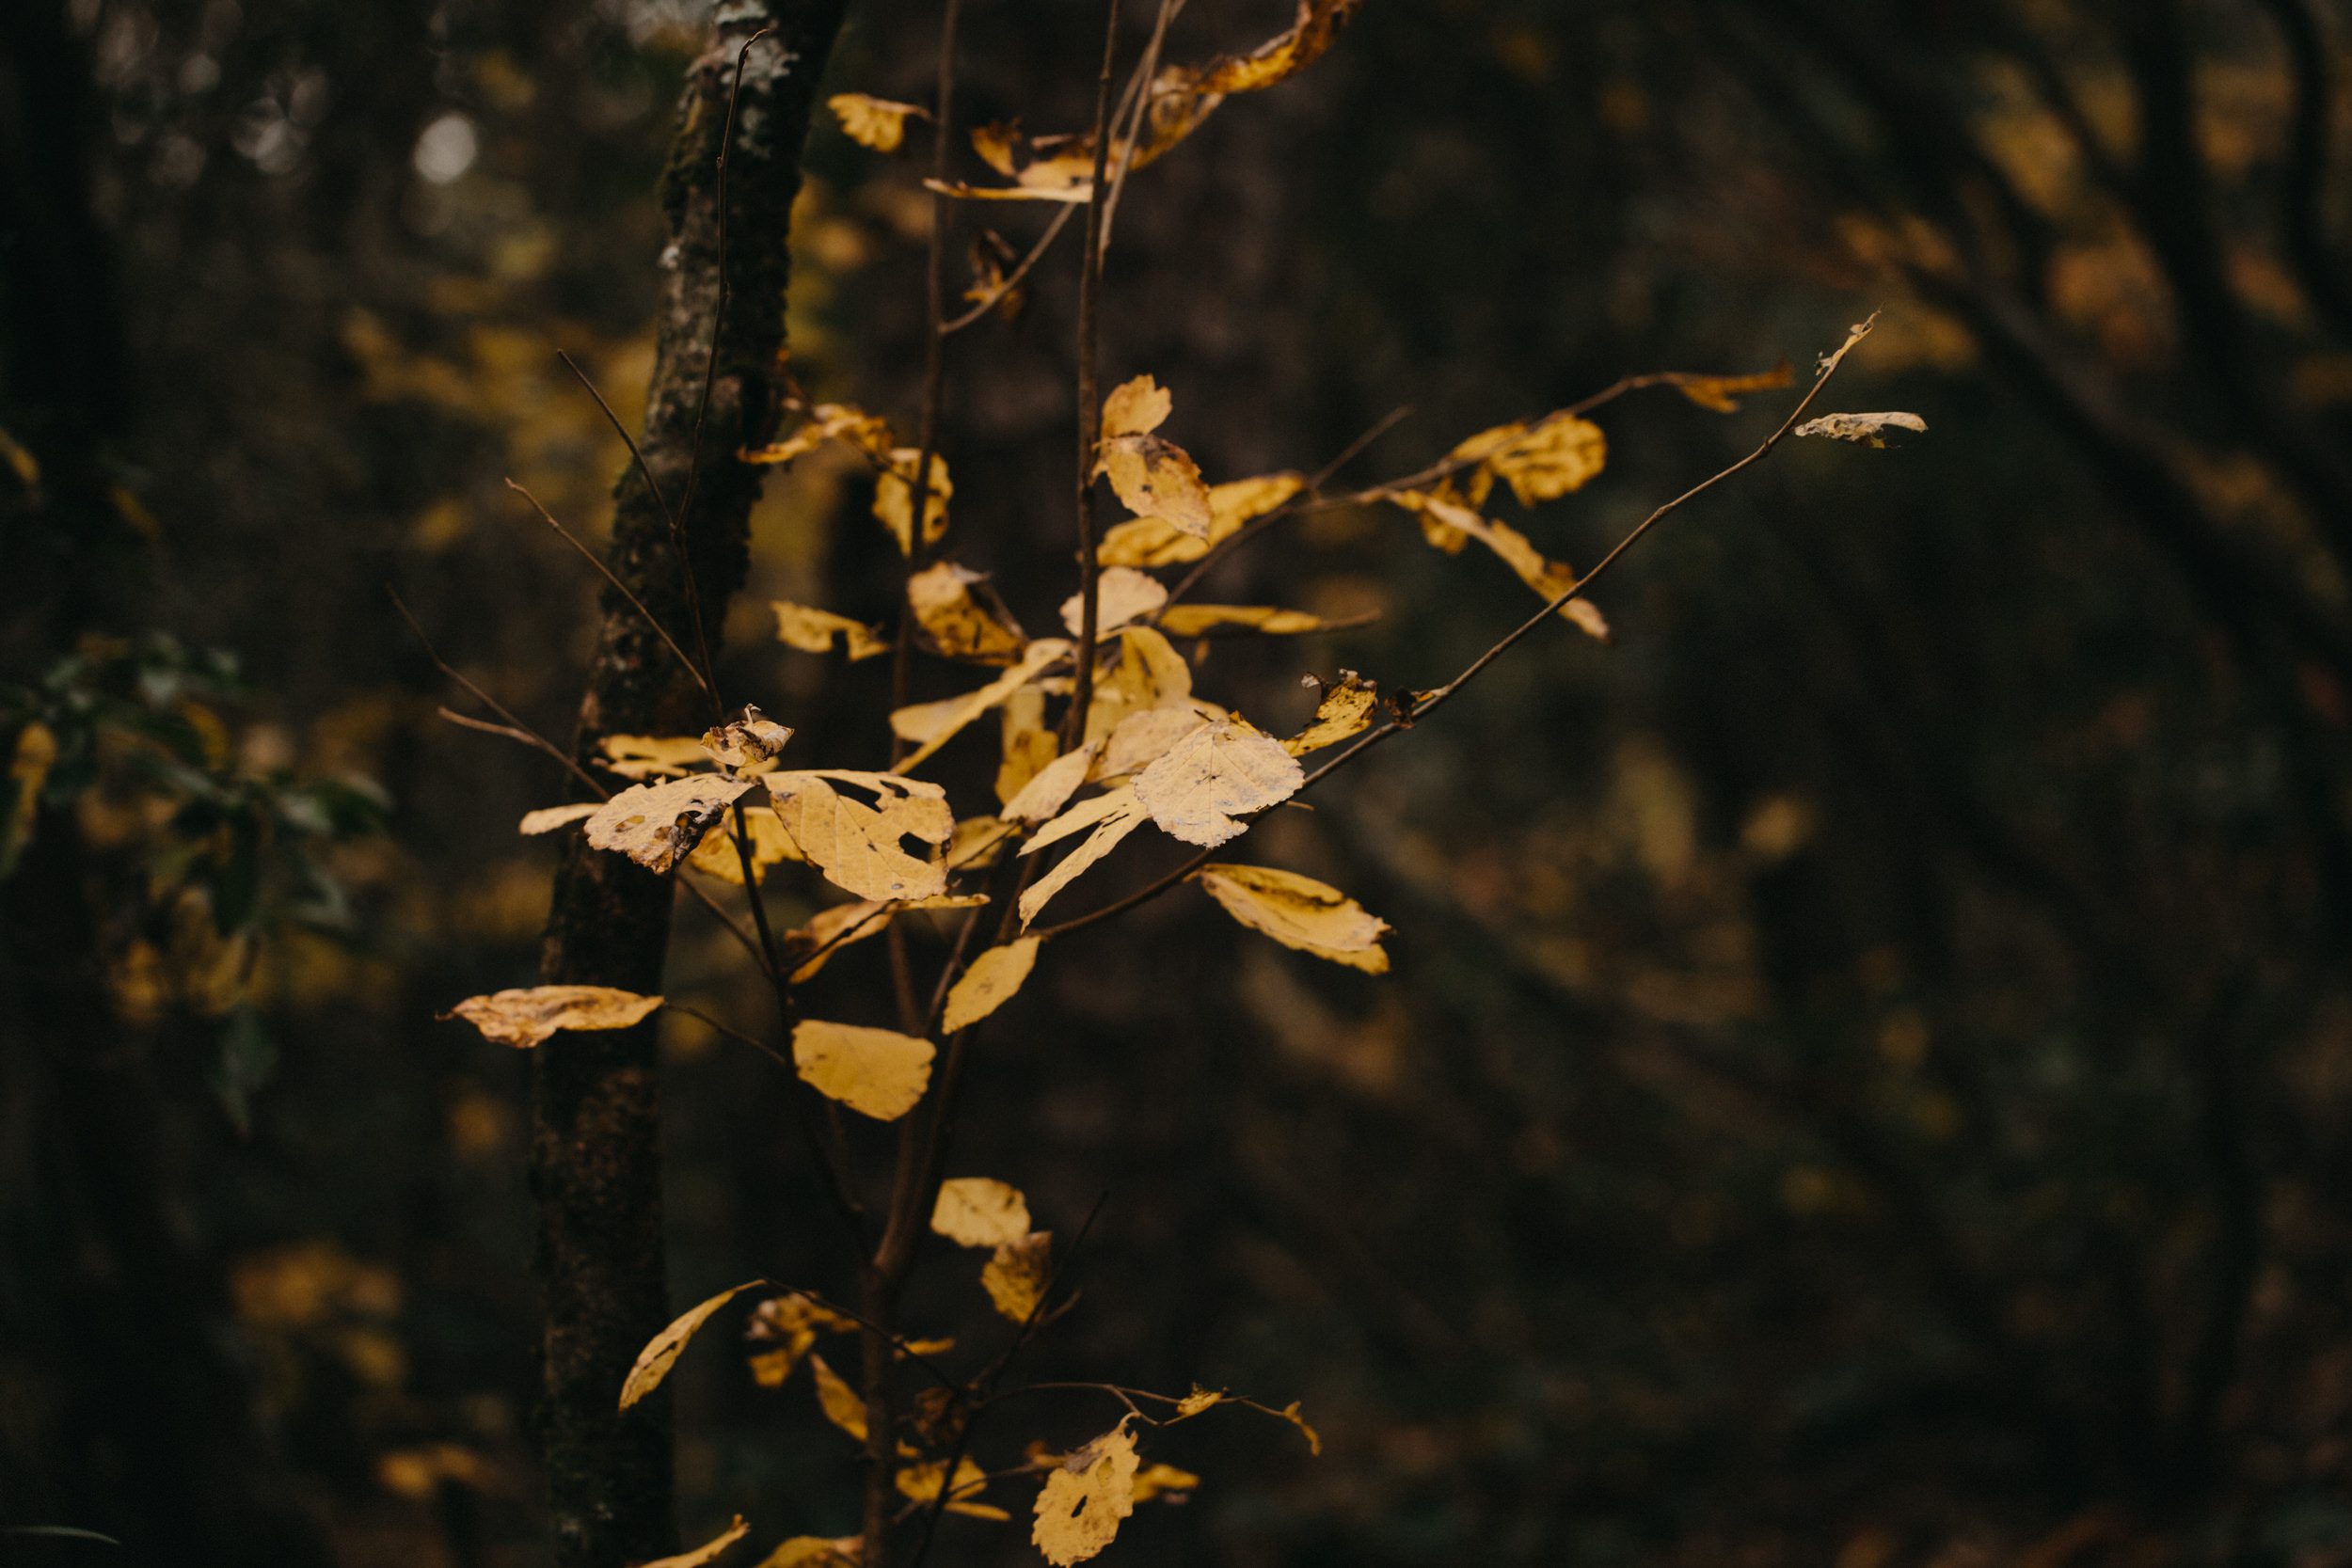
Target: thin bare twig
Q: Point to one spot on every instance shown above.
(622, 588)
(1013, 279)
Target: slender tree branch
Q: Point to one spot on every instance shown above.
(597, 561)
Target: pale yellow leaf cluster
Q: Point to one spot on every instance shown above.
(816, 631)
(790, 1324)
(920, 1484)
(1079, 1511)
(1153, 477)
(836, 1398)
(876, 122)
(661, 1352)
(1019, 1274)
(1152, 542)
(655, 824)
(1121, 594)
(1195, 620)
(547, 819)
(876, 1072)
(1346, 709)
(1868, 430)
(1105, 820)
(651, 756)
(989, 984)
(858, 847)
(747, 744)
(930, 725)
(708, 1552)
(974, 1210)
(961, 617)
(1202, 786)
(893, 497)
(528, 1017)
(1300, 912)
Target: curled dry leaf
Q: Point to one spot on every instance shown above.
(816, 631)
(1121, 594)
(1050, 787)
(1869, 430)
(1300, 912)
(932, 725)
(1152, 542)
(858, 847)
(836, 1398)
(746, 744)
(876, 122)
(989, 984)
(1079, 1511)
(961, 618)
(661, 1352)
(528, 1017)
(876, 1072)
(1111, 817)
(547, 819)
(974, 1211)
(815, 1551)
(1018, 1275)
(708, 1552)
(655, 824)
(1205, 783)
(652, 756)
(1194, 620)
(1346, 709)
(1447, 522)
(893, 497)
(1543, 461)
(1721, 393)
(828, 421)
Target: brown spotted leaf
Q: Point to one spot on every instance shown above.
(658, 824)
(1018, 1275)
(860, 846)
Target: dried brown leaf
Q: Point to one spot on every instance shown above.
(1346, 709)
(961, 618)
(1868, 430)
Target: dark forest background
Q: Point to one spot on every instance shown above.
(1867, 1074)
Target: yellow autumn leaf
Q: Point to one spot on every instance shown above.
(718, 858)
(876, 1072)
(961, 618)
(1079, 1509)
(652, 756)
(979, 842)
(1026, 744)
(1193, 620)
(29, 760)
(1300, 912)
(808, 948)
(1121, 594)
(1149, 674)
(1135, 407)
(816, 631)
(1050, 787)
(708, 1552)
(893, 497)
(1543, 461)
(859, 847)
(840, 1402)
(655, 824)
(1156, 478)
(1152, 542)
(1111, 817)
(1346, 709)
(1204, 784)
(815, 1551)
(791, 1323)
(744, 745)
(1155, 1480)
(1143, 738)
(989, 983)
(1018, 1275)
(974, 1211)
(920, 1484)
(547, 819)
(1721, 393)
(528, 1017)
(661, 1352)
(1442, 517)
(932, 725)
(827, 421)
(1199, 1400)
(876, 122)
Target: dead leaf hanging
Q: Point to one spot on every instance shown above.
(531, 1016)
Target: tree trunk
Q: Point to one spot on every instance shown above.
(596, 1156)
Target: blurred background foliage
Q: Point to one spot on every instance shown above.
(1865, 1079)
